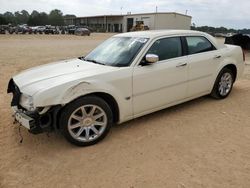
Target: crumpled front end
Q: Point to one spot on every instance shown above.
(38, 121)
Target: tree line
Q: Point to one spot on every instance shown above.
(224, 30)
(55, 18)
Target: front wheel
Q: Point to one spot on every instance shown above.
(86, 121)
(223, 84)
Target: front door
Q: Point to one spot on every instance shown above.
(157, 85)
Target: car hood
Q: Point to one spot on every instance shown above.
(38, 78)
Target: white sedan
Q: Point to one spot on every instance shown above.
(127, 76)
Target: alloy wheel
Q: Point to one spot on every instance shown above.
(87, 123)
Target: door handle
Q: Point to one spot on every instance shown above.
(217, 57)
(181, 65)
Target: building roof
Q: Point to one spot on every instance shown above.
(150, 13)
(99, 16)
(123, 15)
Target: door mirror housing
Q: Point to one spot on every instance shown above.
(152, 58)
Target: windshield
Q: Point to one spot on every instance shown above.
(117, 51)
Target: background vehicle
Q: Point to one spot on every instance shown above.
(139, 26)
(128, 76)
(51, 30)
(34, 29)
(2, 29)
(23, 29)
(71, 29)
(63, 30)
(89, 28)
(40, 29)
(242, 40)
(82, 32)
(11, 30)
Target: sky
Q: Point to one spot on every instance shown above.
(227, 13)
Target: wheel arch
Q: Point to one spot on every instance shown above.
(226, 68)
(109, 99)
(233, 68)
(228, 65)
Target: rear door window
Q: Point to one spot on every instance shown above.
(198, 45)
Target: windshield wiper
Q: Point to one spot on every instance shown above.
(81, 58)
(94, 61)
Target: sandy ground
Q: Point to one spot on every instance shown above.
(202, 143)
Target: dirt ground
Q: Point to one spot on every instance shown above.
(202, 143)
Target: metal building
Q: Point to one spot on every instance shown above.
(124, 23)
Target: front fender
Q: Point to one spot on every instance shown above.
(66, 93)
(84, 88)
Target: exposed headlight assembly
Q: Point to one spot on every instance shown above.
(26, 102)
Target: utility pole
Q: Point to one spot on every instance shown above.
(121, 10)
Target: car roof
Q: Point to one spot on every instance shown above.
(158, 33)
(151, 34)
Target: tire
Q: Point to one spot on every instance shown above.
(88, 129)
(223, 84)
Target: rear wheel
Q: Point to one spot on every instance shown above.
(86, 121)
(223, 84)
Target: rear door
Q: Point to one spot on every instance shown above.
(203, 58)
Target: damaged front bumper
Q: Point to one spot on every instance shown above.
(22, 118)
(37, 123)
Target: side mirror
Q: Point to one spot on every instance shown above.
(152, 58)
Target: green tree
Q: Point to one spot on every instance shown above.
(37, 18)
(2, 20)
(33, 18)
(21, 17)
(43, 18)
(214, 30)
(9, 17)
(56, 18)
(25, 16)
